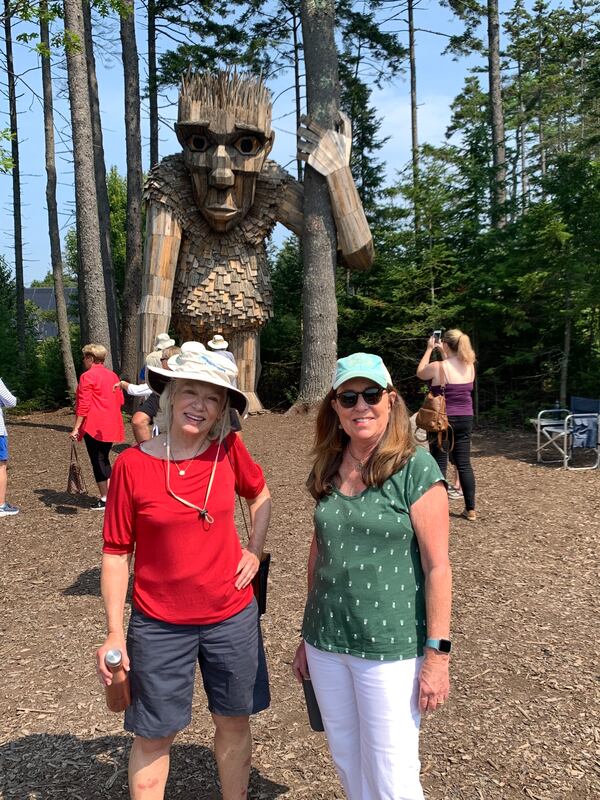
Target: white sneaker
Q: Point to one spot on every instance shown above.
(6, 510)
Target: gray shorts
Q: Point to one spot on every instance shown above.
(163, 663)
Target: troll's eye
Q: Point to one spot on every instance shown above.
(248, 145)
(198, 143)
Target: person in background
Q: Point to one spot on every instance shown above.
(98, 418)
(457, 369)
(142, 422)
(7, 400)
(142, 390)
(171, 507)
(377, 617)
(220, 345)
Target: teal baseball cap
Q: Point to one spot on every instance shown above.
(361, 365)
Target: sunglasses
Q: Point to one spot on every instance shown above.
(372, 396)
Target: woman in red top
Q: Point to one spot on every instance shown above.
(98, 415)
(172, 502)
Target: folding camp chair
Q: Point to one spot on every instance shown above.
(563, 430)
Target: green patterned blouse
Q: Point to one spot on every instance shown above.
(367, 597)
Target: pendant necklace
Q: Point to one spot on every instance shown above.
(359, 463)
(183, 470)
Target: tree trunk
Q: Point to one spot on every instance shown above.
(133, 143)
(497, 117)
(319, 238)
(540, 101)
(62, 319)
(152, 88)
(101, 190)
(91, 278)
(564, 364)
(16, 182)
(413, 118)
(297, 92)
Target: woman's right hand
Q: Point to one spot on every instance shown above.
(299, 664)
(114, 641)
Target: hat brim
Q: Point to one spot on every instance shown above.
(357, 373)
(165, 344)
(218, 345)
(157, 378)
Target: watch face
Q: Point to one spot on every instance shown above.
(445, 646)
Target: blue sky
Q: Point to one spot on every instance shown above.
(440, 79)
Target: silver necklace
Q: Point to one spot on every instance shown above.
(359, 463)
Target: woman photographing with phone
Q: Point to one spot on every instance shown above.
(457, 371)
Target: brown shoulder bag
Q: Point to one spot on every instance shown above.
(432, 416)
(75, 481)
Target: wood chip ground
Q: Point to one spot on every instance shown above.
(524, 716)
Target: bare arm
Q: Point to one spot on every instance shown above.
(299, 665)
(260, 514)
(113, 584)
(425, 370)
(328, 152)
(141, 426)
(429, 516)
(161, 250)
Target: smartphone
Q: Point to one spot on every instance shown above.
(437, 336)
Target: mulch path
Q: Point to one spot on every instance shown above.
(524, 716)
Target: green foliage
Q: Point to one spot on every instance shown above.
(117, 199)
(6, 163)
(38, 379)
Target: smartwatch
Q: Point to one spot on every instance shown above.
(441, 645)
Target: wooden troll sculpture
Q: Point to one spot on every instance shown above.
(211, 208)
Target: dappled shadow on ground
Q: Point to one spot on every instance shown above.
(88, 584)
(16, 422)
(52, 766)
(63, 502)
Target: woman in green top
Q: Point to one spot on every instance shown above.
(377, 619)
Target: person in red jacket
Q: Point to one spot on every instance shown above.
(98, 415)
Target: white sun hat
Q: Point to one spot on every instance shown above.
(194, 363)
(162, 341)
(218, 342)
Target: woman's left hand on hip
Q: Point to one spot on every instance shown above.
(434, 682)
(246, 569)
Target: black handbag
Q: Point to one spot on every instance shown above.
(259, 583)
(260, 580)
(75, 481)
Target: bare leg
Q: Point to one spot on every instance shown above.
(149, 767)
(3, 482)
(233, 753)
(103, 487)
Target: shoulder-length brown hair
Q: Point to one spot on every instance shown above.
(393, 451)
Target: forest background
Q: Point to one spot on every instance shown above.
(492, 228)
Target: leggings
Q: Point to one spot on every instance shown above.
(98, 452)
(460, 436)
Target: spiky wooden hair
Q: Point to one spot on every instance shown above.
(202, 94)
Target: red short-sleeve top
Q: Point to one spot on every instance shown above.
(185, 568)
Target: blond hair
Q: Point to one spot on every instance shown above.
(97, 351)
(392, 452)
(460, 344)
(164, 417)
(168, 352)
(153, 358)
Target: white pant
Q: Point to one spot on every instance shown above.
(371, 717)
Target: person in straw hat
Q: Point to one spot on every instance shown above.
(162, 341)
(171, 503)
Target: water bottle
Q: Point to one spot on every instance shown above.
(312, 706)
(118, 694)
